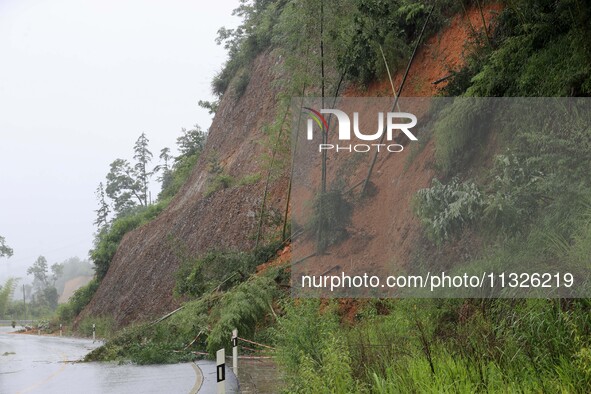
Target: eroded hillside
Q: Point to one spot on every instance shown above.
(141, 278)
(476, 190)
(384, 224)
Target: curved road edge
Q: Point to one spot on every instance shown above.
(208, 379)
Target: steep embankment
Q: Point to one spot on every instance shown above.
(141, 277)
(384, 224)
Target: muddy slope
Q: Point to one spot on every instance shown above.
(140, 281)
(384, 223)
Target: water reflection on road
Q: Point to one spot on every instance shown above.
(42, 364)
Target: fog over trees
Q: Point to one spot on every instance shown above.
(5, 250)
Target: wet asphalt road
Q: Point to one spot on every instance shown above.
(43, 364)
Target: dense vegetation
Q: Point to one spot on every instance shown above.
(127, 190)
(225, 295)
(532, 204)
(124, 204)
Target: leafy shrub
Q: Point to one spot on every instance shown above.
(446, 210)
(541, 50)
(221, 80)
(579, 248)
(210, 106)
(220, 270)
(301, 334)
(219, 182)
(218, 178)
(389, 27)
(249, 179)
(460, 131)
(242, 82)
(246, 42)
(330, 218)
(243, 308)
(190, 144)
(332, 375)
(514, 195)
(558, 152)
(179, 175)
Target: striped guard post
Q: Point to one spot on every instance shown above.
(221, 370)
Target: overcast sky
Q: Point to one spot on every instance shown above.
(80, 80)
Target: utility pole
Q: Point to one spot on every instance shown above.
(25, 304)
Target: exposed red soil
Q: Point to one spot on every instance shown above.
(441, 53)
(384, 224)
(283, 257)
(139, 284)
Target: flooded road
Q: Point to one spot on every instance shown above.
(43, 364)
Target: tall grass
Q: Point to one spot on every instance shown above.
(498, 346)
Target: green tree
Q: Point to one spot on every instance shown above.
(210, 106)
(39, 272)
(190, 142)
(127, 185)
(122, 187)
(44, 283)
(190, 145)
(164, 169)
(103, 211)
(49, 297)
(5, 250)
(143, 157)
(57, 270)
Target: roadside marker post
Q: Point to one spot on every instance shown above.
(60, 330)
(93, 332)
(235, 351)
(221, 370)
